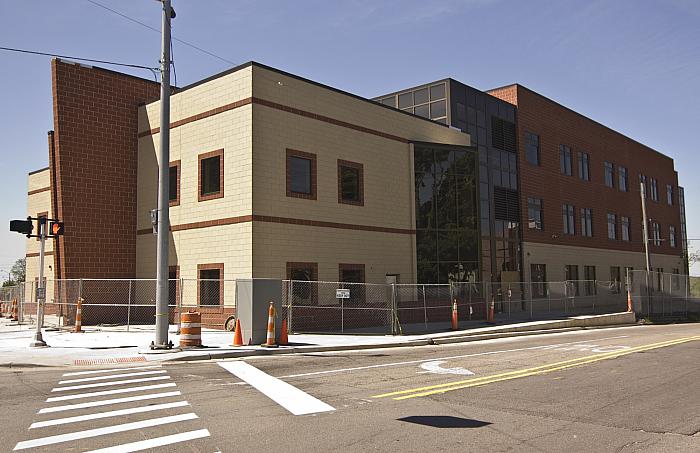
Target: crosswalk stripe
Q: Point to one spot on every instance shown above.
(42, 441)
(82, 373)
(111, 376)
(117, 413)
(108, 384)
(155, 442)
(109, 392)
(127, 399)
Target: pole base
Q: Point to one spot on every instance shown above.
(265, 345)
(38, 342)
(168, 345)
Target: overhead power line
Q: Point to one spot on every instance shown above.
(189, 44)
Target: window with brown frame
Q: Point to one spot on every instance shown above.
(174, 184)
(211, 175)
(301, 174)
(350, 183)
(210, 285)
(173, 285)
(353, 273)
(302, 276)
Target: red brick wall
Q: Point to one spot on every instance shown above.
(95, 159)
(555, 125)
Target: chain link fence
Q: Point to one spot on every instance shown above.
(664, 295)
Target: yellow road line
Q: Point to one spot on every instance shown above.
(455, 385)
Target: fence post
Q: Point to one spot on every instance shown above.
(342, 311)
(394, 311)
(128, 308)
(595, 293)
(687, 284)
(425, 310)
(531, 298)
(178, 309)
(290, 303)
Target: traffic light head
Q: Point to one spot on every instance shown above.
(56, 228)
(22, 226)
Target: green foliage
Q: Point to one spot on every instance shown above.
(18, 272)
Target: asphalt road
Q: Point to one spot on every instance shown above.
(622, 389)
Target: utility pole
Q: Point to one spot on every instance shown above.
(38, 341)
(645, 223)
(163, 224)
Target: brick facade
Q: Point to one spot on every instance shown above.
(95, 160)
(555, 125)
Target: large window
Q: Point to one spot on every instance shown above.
(211, 175)
(568, 218)
(590, 283)
(565, 160)
(428, 102)
(532, 148)
(615, 279)
(350, 183)
(301, 174)
(571, 275)
(353, 273)
(672, 236)
(656, 233)
(609, 174)
(623, 183)
(612, 226)
(210, 289)
(534, 213)
(174, 183)
(625, 228)
(586, 222)
(302, 274)
(446, 214)
(654, 190)
(643, 184)
(584, 166)
(538, 279)
(669, 194)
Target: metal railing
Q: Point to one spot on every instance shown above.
(664, 295)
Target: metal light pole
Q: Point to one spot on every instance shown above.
(647, 257)
(38, 341)
(161, 341)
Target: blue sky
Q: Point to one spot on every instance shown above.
(633, 65)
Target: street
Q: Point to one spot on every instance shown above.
(618, 389)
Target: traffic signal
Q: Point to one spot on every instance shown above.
(22, 226)
(56, 229)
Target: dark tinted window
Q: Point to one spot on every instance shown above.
(300, 174)
(437, 92)
(405, 100)
(421, 96)
(211, 175)
(209, 287)
(350, 183)
(532, 148)
(172, 184)
(565, 160)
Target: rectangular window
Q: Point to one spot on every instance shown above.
(572, 282)
(174, 184)
(532, 148)
(615, 279)
(660, 278)
(586, 222)
(210, 288)
(612, 226)
(675, 279)
(654, 190)
(301, 174)
(625, 228)
(584, 166)
(534, 213)
(565, 160)
(568, 218)
(656, 233)
(622, 173)
(589, 284)
(350, 183)
(643, 184)
(672, 236)
(211, 175)
(353, 273)
(609, 174)
(302, 276)
(669, 194)
(538, 280)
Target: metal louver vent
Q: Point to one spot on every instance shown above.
(503, 134)
(506, 206)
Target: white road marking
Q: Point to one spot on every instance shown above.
(109, 392)
(117, 413)
(435, 368)
(412, 362)
(103, 431)
(111, 376)
(82, 373)
(108, 384)
(155, 442)
(127, 399)
(286, 395)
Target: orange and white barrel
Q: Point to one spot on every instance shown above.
(15, 314)
(191, 329)
(78, 316)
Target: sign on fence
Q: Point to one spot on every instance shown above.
(342, 294)
(41, 293)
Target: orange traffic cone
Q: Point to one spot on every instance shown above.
(270, 343)
(238, 335)
(455, 321)
(79, 316)
(15, 316)
(284, 339)
(629, 301)
(490, 313)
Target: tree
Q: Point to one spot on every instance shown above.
(18, 272)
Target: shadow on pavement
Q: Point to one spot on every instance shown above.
(444, 421)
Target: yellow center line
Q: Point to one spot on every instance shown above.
(455, 385)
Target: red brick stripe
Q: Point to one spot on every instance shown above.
(284, 220)
(274, 105)
(32, 255)
(43, 189)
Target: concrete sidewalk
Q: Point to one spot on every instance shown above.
(105, 345)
